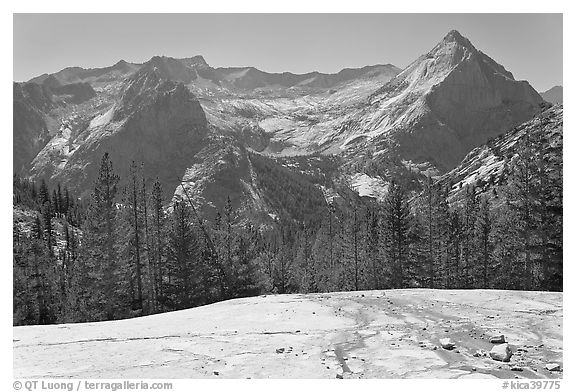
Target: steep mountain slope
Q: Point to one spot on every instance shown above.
(445, 103)
(370, 334)
(442, 105)
(29, 132)
(79, 95)
(154, 121)
(554, 95)
(129, 118)
(487, 167)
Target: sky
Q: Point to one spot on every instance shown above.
(528, 45)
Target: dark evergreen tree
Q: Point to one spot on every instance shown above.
(101, 276)
(157, 242)
(484, 234)
(43, 193)
(468, 242)
(372, 244)
(184, 258)
(396, 225)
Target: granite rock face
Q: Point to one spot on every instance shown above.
(29, 132)
(447, 102)
(155, 122)
(486, 166)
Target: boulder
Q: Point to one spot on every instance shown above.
(553, 367)
(447, 344)
(498, 339)
(501, 352)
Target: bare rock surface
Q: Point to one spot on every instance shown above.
(391, 334)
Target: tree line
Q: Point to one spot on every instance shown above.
(124, 253)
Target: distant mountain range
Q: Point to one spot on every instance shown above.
(554, 95)
(203, 128)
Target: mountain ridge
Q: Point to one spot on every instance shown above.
(378, 120)
(187, 66)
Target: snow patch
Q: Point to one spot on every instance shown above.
(102, 119)
(365, 185)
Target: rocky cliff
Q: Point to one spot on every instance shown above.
(155, 122)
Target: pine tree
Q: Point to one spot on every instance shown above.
(484, 230)
(430, 234)
(157, 240)
(246, 274)
(454, 249)
(282, 270)
(441, 223)
(55, 203)
(523, 194)
(133, 218)
(509, 269)
(396, 226)
(184, 257)
(356, 245)
(468, 231)
(324, 251)
(100, 273)
(148, 273)
(43, 194)
(62, 208)
(372, 239)
(48, 228)
(35, 289)
(535, 196)
(68, 202)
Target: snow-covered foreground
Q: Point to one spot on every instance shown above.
(370, 334)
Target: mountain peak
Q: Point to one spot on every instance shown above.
(196, 60)
(456, 37)
(553, 95)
